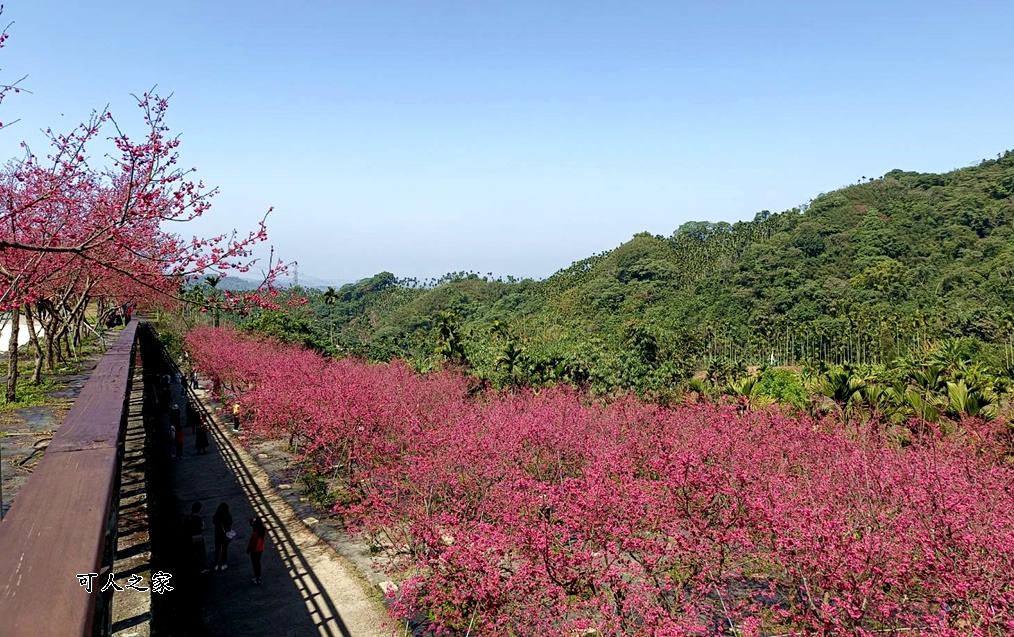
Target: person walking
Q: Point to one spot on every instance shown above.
(179, 442)
(165, 395)
(193, 526)
(235, 416)
(255, 547)
(172, 440)
(223, 535)
(174, 416)
(192, 416)
(202, 436)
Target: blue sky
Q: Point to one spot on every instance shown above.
(516, 137)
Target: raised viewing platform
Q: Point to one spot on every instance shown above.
(64, 520)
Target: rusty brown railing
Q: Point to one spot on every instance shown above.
(63, 522)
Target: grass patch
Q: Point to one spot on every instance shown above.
(30, 395)
(315, 487)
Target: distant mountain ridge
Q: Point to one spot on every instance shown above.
(862, 274)
(241, 284)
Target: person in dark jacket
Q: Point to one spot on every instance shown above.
(193, 526)
(193, 416)
(223, 528)
(202, 436)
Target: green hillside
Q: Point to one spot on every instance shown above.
(861, 275)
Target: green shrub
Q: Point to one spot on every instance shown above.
(783, 386)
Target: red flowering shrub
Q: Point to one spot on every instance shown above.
(550, 514)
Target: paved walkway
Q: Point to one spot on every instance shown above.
(307, 588)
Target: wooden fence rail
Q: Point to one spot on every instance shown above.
(63, 522)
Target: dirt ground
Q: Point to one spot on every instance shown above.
(25, 433)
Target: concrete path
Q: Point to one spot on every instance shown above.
(307, 588)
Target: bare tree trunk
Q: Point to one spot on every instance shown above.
(74, 335)
(12, 356)
(50, 349)
(52, 332)
(65, 333)
(33, 336)
(58, 339)
(79, 332)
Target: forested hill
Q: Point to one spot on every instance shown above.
(862, 274)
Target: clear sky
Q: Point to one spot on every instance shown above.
(517, 136)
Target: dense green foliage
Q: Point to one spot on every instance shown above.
(865, 275)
